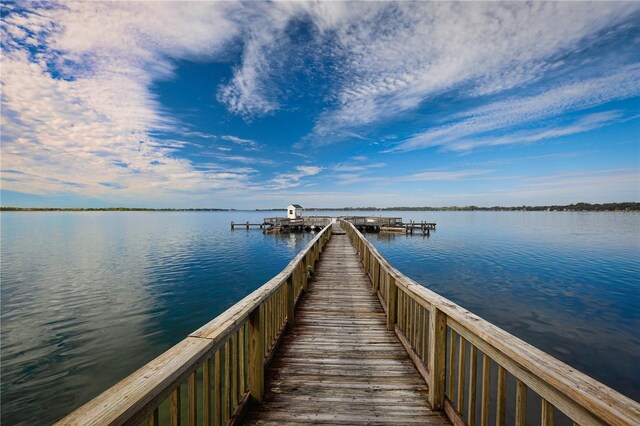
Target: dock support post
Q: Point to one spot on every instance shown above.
(247, 224)
(437, 356)
(291, 301)
(392, 304)
(232, 225)
(256, 355)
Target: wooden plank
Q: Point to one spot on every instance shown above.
(451, 355)
(256, 356)
(234, 370)
(501, 398)
(206, 392)
(242, 360)
(392, 304)
(546, 416)
(153, 419)
(521, 403)
(437, 353)
(462, 348)
(473, 378)
(217, 390)
(486, 389)
(174, 407)
(226, 393)
(192, 395)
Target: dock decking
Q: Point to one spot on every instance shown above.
(339, 364)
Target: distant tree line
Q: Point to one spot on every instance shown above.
(577, 207)
(580, 207)
(105, 209)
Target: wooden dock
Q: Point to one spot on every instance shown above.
(354, 342)
(340, 364)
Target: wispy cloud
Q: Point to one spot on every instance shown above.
(440, 175)
(292, 179)
(581, 125)
(421, 51)
(520, 110)
(250, 143)
(356, 167)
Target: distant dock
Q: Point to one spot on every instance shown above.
(274, 225)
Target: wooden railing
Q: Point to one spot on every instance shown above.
(210, 376)
(516, 384)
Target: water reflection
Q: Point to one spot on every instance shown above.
(87, 298)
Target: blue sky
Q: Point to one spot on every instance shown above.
(254, 105)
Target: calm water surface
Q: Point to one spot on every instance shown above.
(87, 298)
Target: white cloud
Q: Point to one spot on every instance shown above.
(250, 143)
(583, 124)
(404, 54)
(519, 110)
(292, 179)
(345, 167)
(440, 175)
(87, 130)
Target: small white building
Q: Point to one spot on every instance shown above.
(294, 211)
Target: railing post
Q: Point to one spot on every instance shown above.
(256, 354)
(392, 304)
(291, 301)
(376, 275)
(437, 356)
(304, 272)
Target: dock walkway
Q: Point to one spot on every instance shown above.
(339, 364)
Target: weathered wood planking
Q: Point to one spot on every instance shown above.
(340, 364)
(578, 396)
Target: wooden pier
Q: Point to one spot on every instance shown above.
(272, 225)
(342, 337)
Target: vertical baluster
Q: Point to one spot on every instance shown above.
(414, 323)
(174, 407)
(217, 390)
(450, 364)
(501, 399)
(521, 403)
(546, 419)
(419, 332)
(437, 352)
(234, 371)
(192, 393)
(473, 374)
(206, 392)
(409, 319)
(486, 388)
(256, 355)
(392, 304)
(153, 418)
(461, 374)
(241, 364)
(226, 394)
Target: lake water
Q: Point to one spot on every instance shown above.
(89, 297)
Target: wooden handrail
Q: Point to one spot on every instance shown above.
(242, 338)
(421, 316)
